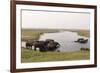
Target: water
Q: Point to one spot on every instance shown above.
(66, 40)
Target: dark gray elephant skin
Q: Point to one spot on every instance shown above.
(47, 45)
(40, 45)
(29, 45)
(52, 46)
(82, 40)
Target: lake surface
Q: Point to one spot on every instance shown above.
(66, 40)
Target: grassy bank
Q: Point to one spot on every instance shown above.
(81, 32)
(34, 34)
(85, 33)
(31, 35)
(36, 56)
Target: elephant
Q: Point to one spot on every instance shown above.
(52, 46)
(47, 45)
(41, 45)
(82, 40)
(29, 45)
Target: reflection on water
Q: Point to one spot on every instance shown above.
(66, 40)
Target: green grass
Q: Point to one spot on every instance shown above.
(81, 32)
(85, 33)
(34, 34)
(36, 56)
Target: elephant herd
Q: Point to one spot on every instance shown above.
(47, 45)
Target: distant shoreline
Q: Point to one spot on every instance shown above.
(34, 34)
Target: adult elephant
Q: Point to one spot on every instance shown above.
(41, 45)
(52, 46)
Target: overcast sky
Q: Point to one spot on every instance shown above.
(55, 20)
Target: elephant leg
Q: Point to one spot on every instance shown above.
(31, 47)
(28, 47)
(34, 48)
(46, 49)
(42, 49)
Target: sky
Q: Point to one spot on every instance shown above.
(54, 20)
